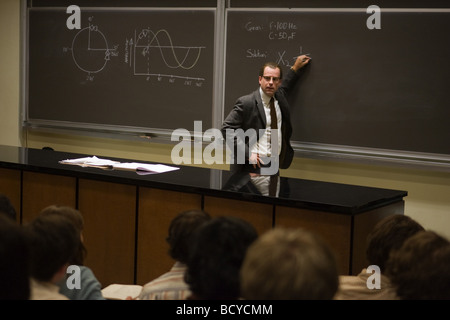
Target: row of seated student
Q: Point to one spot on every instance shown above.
(388, 234)
(296, 264)
(14, 255)
(89, 286)
(224, 258)
(171, 285)
(43, 250)
(14, 259)
(208, 254)
(413, 263)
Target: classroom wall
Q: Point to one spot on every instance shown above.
(428, 199)
(9, 72)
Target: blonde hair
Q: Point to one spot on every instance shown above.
(286, 264)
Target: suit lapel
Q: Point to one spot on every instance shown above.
(260, 107)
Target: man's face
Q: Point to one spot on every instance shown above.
(270, 81)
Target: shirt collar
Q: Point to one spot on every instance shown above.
(264, 97)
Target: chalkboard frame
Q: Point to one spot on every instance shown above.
(110, 126)
(352, 153)
(432, 161)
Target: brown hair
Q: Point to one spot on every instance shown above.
(419, 270)
(272, 65)
(77, 220)
(388, 235)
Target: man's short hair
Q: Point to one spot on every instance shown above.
(53, 241)
(289, 264)
(272, 65)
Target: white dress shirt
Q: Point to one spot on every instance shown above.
(263, 145)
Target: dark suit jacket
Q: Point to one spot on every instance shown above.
(248, 113)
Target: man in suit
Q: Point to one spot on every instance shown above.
(259, 131)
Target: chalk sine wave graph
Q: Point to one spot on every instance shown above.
(155, 51)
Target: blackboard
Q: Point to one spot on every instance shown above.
(380, 92)
(137, 68)
(373, 88)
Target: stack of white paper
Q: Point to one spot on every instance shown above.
(105, 163)
(157, 168)
(90, 162)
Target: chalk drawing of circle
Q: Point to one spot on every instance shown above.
(90, 50)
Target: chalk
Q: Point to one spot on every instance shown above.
(306, 54)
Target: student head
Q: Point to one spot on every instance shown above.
(53, 241)
(14, 261)
(180, 232)
(76, 218)
(6, 208)
(218, 251)
(420, 270)
(389, 234)
(289, 264)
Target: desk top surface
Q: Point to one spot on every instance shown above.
(301, 193)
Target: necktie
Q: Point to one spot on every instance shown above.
(273, 115)
(273, 122)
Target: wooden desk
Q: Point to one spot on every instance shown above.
(127, 215)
